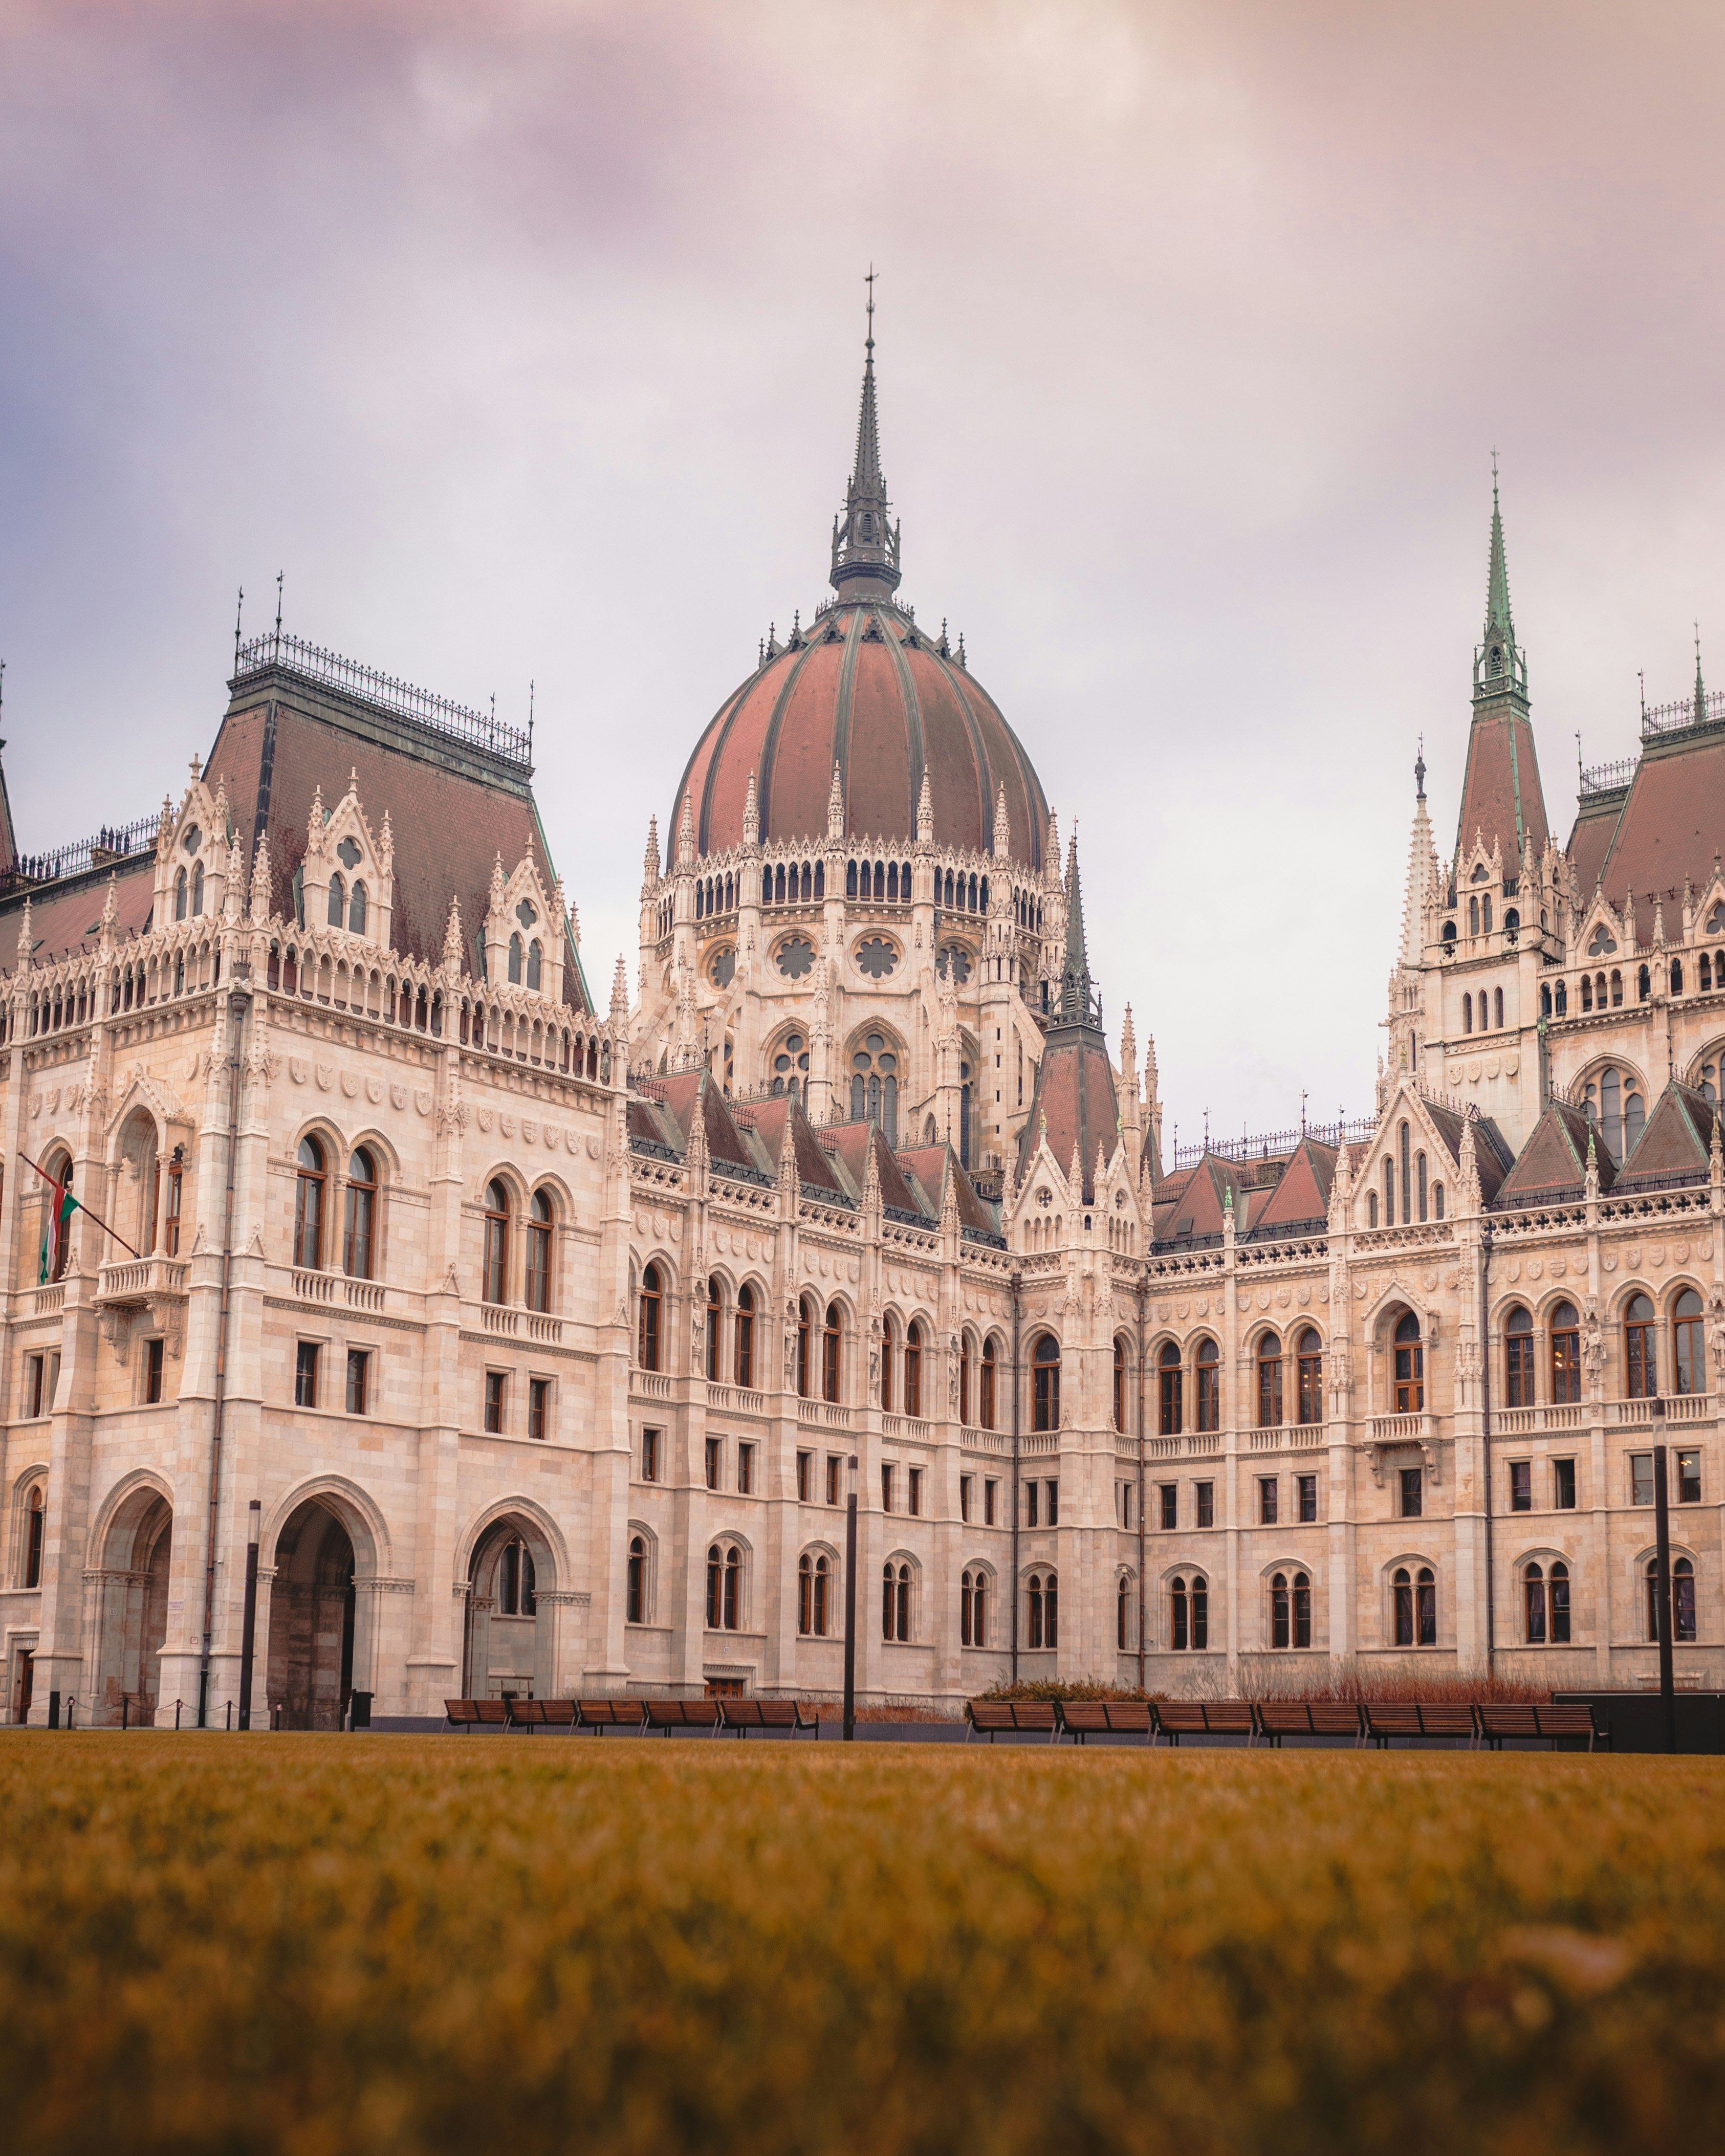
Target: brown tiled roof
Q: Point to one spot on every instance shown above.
(1502, 778)
(1672, 825)
(1554, 1157)
(1676, 1139)
(767, 1120)
(1076, 1098)
(66, 917)
(928, 1167)
(1590, 840)
(1303, 1191)
(864, 689)
(449, 816)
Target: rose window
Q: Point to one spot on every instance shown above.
(796, 955)
(954, 959)
(790, 1065)
(722, 968)
(877, 957)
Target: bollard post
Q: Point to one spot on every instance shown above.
(71, 1710)
(126, 1710)
(178, 1704)
(278, 1714)
(53, 1710)
(228, 1718)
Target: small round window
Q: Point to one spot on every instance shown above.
(796, 956)
(877, 957)
(954, 959)
(722, 968)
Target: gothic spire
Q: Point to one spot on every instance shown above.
(1498, 663)
(865, 542)
(1076, 999)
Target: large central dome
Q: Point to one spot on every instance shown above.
(866, 690)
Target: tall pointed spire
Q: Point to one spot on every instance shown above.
(1076, 999)
(865, 542)
(1498, 664)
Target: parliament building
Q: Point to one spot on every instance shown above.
(537, 1333)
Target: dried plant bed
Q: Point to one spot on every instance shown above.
(319, 1945)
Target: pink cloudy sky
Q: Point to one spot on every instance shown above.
(526, 341)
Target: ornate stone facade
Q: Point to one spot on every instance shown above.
(537, 1341)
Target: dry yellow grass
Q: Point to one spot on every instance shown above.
(334, 1944)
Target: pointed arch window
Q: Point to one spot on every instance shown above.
(356, 910)
(896, 1602)
(34, 1520)
(652, 1312)
(972, 1608)
(1043, 1629)
(1409, 1366)
(1119, 1383)
(829, 1356)
(196, 889)
(1123, 1612)
(743, 1358)
(1190, 1613)
(1467, 1013)
(539, 1227)
(1045, 1382)
(803, 1330)
(1519, 1358)
(636, 1580)
(1311, 1377)
(357, 1255)
(517, 1581)
(1170, 1382)
(1268, 1381)
(715, 1312)
(913, 1370)
(1565, 1355)
(1210, 1385)
(813, 1594)
(313, 1177)
(1407, 1191)
(496, 1256)
(724, 1587)
(515, 959)
(985, 1389)
(1290, 1610)
(536, 965)
(180, 895)
(1640, 1340)
(1416, 1598)
(337, 906)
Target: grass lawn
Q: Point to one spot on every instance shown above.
(322, 1944)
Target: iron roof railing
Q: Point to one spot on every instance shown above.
(1673, 718)
(384, 692)
(112, 843)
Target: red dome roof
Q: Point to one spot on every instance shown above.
(864, 689)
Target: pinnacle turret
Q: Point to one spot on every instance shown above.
(865, 542)
(1498, 664)
(1077, 1001)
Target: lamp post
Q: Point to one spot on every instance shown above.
(850, 1603)
(1662, 1583)
(249, 1630)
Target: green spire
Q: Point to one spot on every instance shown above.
(1498, 664)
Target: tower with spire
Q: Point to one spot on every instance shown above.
(1502, 804)
(865, 537)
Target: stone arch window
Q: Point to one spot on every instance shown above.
(1269, 1360)
(815, 1594)
(1371, 1208)
(1409, 1366)
(985, 1387)
(640, 1604)
(1312, 1376)
(1518, 1358)
(356, 909)
(1485, 913)
(1188, 1613)
(974, 1608)
(964, 1376)
(35, 1517)
(337, 902)
(539, 1248)
(536, 965)
(1437, 1201)
(1644, 987)
(1170, 1385)
(1545, 998)
(1449, 936)
(1119, 1383)
(889, 1349)
(180, 895)
(1043, 1595)
(196, 889)
(1676, 977)
(310, 1186)
(1388, 1192)
(1640, 1349)
(495, 1286)
(1405, 1138)
(1467, 1013)
(1689, 1364)
(1706, 969)
(743, 1347)
(1045, 1382)
(805, 1324)
(1415, 1599)
(873, 1083)
(1545, 1603)
(1124, 1612)
(1420, 1183)
(1562, 998)
(895, 1610)
(1682, 1599)
(725, 1583)
(651, 1329)
(1290, 1610)
(913, 1367)
(1565, 1355)
(1473, 916)
(714, 1312)
(829, 1338)
(358, 1251)
(790, 1065)
(1210, 1385)
(516, 960)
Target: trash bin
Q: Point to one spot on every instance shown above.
(359, 1710)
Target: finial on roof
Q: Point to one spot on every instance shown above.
(260, 894)
(925, 809)
(1419, 770)
(751, 815)
(650, 863)
(865, 542)
(1003, 825)
(619, 993)
(1701, 694)
(685, 832)
(835, 804)
(1076, 999)
(1498, 663)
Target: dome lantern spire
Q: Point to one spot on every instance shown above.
(865, 542)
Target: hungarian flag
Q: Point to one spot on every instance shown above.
(61, 1206)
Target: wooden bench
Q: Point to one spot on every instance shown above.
(603, 1714)
(1084, 1717)
(1418, 1720)
(1278, 1718)
(531, 1714)
(1498, 1722)
(463, 1714)
(743, 1715)
(1034, 1716)
(1175, 1718)
(670, 1714)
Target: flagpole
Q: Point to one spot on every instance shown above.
(78, 1202)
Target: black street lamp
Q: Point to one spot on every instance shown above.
(248, 1631)
(851, 1605)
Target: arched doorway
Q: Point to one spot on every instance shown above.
(131, 1619)
(511, 1636)
(311, 1621)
